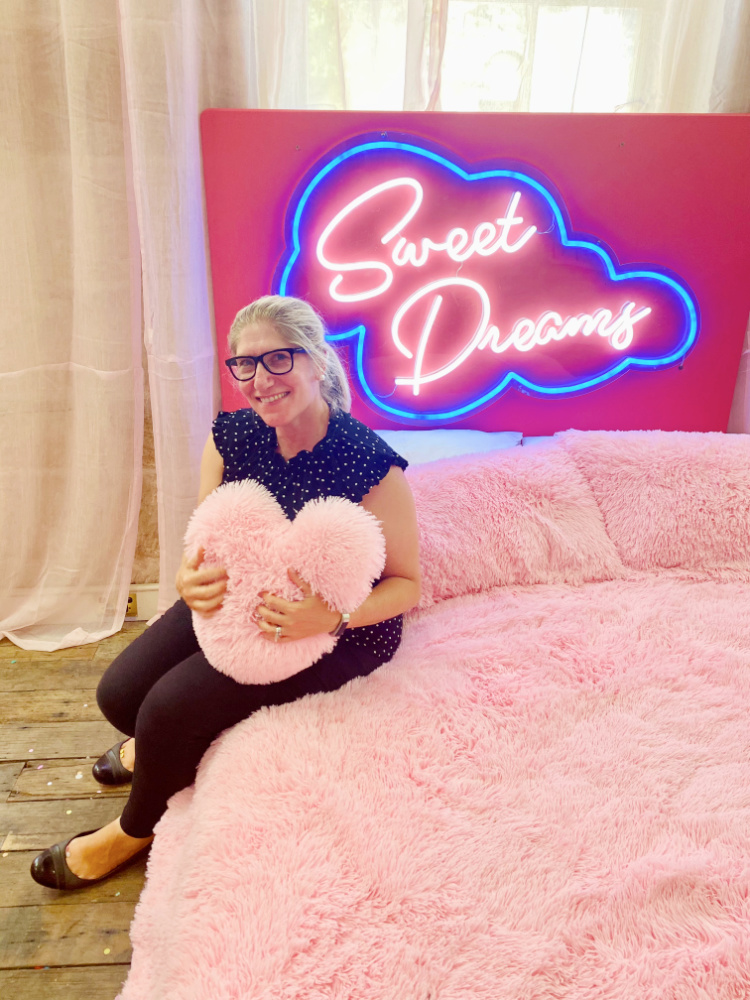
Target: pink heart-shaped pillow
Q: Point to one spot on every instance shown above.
(334, 544)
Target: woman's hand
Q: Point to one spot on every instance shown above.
(202, 588)
(298, 619)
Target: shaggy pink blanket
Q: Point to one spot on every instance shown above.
(546, 794)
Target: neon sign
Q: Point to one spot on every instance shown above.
(453, 286)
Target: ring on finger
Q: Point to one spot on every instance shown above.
(278, 633)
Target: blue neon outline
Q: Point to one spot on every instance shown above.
(360, 331)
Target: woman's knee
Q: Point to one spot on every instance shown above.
(111, 697)
(141, 665)
(124, 685)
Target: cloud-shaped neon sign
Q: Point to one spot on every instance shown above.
(455, 284)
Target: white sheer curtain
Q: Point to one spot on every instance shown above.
(69, 361)
(529, 55)
(71, 378)
(179, 57)
(731, 93)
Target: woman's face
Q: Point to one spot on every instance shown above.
(279, 400)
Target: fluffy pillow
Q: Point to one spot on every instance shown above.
(334, 544)
(513, 517)
(670, 498)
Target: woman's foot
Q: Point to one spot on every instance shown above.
(96, 854)
(127, 754)
(83, 860)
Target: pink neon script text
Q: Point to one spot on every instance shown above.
(487, 238)
(525, 335)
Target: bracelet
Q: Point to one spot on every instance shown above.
(342, 625)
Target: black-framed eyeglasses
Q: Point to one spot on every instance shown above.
(278, 362)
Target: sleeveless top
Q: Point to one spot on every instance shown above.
(347, 462)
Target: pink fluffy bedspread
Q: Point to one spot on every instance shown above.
(545, 794)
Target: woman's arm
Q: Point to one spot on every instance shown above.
(202, 589)
(392, 503)
(212, 469)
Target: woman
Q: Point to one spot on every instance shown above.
(298, 439)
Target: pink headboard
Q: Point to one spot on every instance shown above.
(528, 272)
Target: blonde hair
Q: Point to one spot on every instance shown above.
(297, 322)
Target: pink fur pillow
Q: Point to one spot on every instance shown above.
(507, 518)
(334, 544)
(670, 498)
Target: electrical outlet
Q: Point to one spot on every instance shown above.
(143, 599)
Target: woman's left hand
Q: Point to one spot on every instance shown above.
(298, 619)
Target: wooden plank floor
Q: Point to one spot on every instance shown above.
(58, 946)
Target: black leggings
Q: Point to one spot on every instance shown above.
(162, 690)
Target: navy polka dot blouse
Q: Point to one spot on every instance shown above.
(347, 462)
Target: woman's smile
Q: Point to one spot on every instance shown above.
(272, 399)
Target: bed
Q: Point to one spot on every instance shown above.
(545, 794)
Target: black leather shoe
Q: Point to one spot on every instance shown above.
(110, 770)
(50, 868)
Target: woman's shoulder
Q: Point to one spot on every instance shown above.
(245, 421)
(233, 428)
(352, 435)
